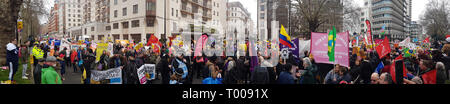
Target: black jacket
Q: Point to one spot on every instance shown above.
(129, 73)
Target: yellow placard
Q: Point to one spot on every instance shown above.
(100, 48)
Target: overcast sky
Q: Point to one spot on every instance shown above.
(418, 7)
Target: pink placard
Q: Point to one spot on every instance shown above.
(319, 48)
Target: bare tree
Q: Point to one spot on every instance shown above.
(351, 16)
(317, 16)
(436, 19)
(32, 11)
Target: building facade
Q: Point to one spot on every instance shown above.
(394, 14)
(416, 30)
(69, 15)
(53, 20)
(239, 20)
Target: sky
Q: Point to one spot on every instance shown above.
(418, 7)
(48, 5)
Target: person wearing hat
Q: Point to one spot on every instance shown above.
(49, 75)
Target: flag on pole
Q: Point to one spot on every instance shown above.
(379, 67)
(384, 48)
(369, 34)
(285, 39)
(331, 44)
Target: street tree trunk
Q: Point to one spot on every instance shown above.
(8, 19)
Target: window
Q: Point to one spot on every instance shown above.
(115, 2)
(92, 28)
(115, 13)
(124, 13)
(135, 23)
(108, 28)
(69, 20)
(262, 7)
(135, 9)
(150, 22)
(177, 13)
(262, 15)
(125, 36)
(151, 6)
(125, 25)
(172, 11)
(116, 26)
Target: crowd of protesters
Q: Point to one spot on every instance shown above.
(245, 69)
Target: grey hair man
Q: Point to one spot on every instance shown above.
(385, 78)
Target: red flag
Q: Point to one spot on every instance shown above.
(369, 33)
(384, 48)
(427, 40)
(392, 71)
(154, 40)
(429, 77)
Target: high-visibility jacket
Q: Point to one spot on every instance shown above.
(38, 53)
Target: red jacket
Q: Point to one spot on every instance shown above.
(73, 56)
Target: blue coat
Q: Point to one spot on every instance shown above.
(285, 78)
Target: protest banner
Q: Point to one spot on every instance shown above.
(294, 49)
(114, 74)
(100, 48)
(319, 48)
(110, 48)
(64, 45)
(304, 46)
(146, 72)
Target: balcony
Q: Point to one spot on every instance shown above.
(185, 9)
(207, 15)
(200, 3)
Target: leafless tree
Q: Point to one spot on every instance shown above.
(351, 16)
(436, 19)
(32, 11)
(317, 16)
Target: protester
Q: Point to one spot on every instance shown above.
(12, 58)
(74, 60)
(441, 75)
(129, 71)
(385, 78)
(60, 56)
(260, 75)
(24, 51)
(375, 78)
(308, 76)
(49, 75)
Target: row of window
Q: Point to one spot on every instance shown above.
(382, 15)
(382, 9)
(125, 25)
(124, 11)
(382, 2)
